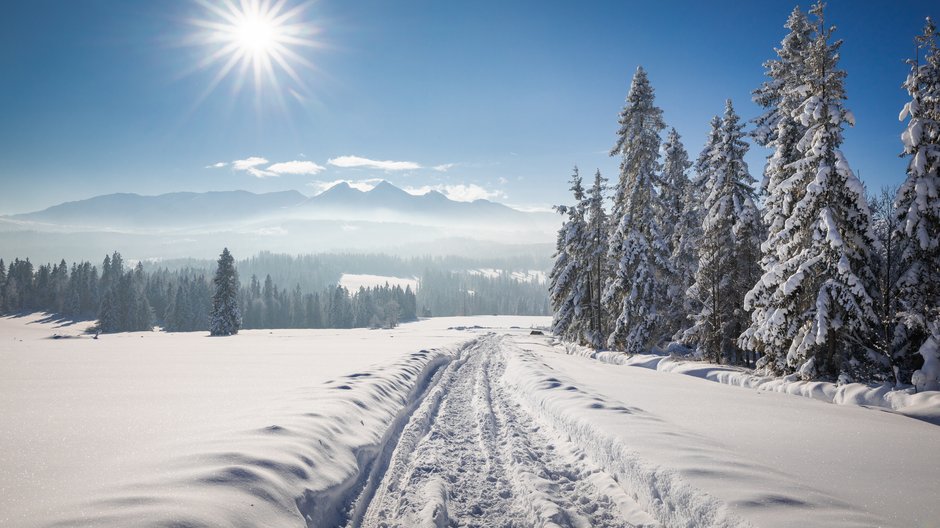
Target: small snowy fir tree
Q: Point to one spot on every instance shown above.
(596, 239)
(778, 129)
(731, 234)
(817, 319)
(637, 255)
(917, 205)
(680, 222)
(569, 281)
(225, 318)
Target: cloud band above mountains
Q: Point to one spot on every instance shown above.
(259, 167)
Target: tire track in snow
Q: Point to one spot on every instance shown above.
(471, 456)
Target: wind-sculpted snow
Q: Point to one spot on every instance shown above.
(924, 405)
(304, 468)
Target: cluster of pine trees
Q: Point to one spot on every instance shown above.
(803, 274)
(127, 300)
(267, 306)
(445, 293)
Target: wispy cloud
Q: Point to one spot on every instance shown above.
(460, 192)
(252, 166)
(348, 162)
(296, 167)
(247, 163)
(444, 167)
(362, 185)
(218, 165)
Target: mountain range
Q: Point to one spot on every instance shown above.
(342, 218)
(383, 203)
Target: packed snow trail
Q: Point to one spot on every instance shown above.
(472, 456)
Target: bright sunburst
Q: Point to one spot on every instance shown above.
(261, 40)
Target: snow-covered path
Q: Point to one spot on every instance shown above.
(517, 433)
(472, 456)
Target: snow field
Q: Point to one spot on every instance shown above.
(155, 429)
(535, 276)
(353, 281)
(444, 422)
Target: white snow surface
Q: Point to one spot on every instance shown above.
(464, 421)
(353, 281)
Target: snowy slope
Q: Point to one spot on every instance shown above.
(445, 422)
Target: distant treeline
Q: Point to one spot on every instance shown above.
(446, 287)
(178, 297)
(316, 272)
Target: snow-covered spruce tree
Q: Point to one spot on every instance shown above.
(225, 317)
(703, 164)
(680, 225)
(569, 281)
(637, 255)
(596, 240)
(728, 252)
(917, 206)
(778, 129)
(884, 222)
(699, 189)
(817, 315)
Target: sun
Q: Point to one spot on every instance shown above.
(262, 40)
(256, 34)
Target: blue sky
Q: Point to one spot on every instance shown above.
(483, 98)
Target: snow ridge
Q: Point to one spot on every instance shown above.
(924, 405)
(332, 506)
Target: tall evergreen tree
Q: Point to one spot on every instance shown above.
(596, 255)
(637, 255)
(728, 254)
(225, 318)
(108, 317)
(679, 212)
(814, 309)
(917, 205)
(569, 281)
(779, 129)
(3, 283)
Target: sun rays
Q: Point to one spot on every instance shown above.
(263, 42)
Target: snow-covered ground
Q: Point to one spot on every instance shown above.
(536, 276)
(353, 282)
(445, 422)
(224, 431)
